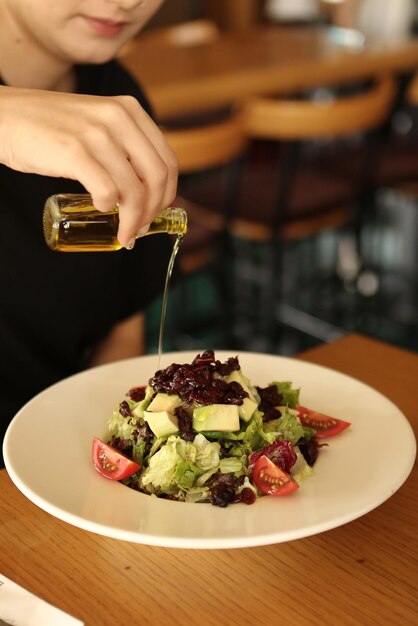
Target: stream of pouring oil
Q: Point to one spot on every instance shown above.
(165, 297)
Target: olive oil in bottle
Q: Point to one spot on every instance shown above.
(72, 224)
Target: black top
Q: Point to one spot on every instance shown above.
(54, 306)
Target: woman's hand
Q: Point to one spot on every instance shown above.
(109, 144)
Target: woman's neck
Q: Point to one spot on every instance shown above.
(23, 63)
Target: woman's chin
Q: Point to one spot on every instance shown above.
(94, 56)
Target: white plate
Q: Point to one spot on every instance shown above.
(47, 451)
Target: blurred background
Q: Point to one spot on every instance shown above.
(296, 125)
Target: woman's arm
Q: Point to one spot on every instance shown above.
(109, 144)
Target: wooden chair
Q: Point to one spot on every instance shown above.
(390, 236)
(397, 166)
(290, 123)
(397, 162)
(211, 151)
(306, 199)
(411, 95)
(395, 260)
(294, 198)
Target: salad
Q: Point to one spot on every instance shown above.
(202, 432)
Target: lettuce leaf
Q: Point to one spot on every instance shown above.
(287, 427)
(231, 465)
(290, 396)
(121, 426)
(178, 464)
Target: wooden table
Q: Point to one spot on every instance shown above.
(365, 572)
(186, 79)
(237, 15)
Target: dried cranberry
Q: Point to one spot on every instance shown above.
(124, 409)
(223, 488)
(269, 399)
(222, 495)
(136, 393)
(185, 421)
(270, 395)
(309, 450)
(224, 369)
(270, 413)
(204, 359)
(247, 496)
(199, 381)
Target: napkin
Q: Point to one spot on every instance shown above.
(19, 607)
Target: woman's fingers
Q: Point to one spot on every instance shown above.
(158, 141)
(139, 172)
(138, 160)
(155, 165)
(109, 144)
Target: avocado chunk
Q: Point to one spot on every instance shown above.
(160, 414)
(249, 405)
(142, 405)
(164, 402)
(220, 417)
(162, 423)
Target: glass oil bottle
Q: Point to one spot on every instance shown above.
(72, 224)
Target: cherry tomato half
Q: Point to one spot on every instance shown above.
(111, 463)
(271, 480)
(324, 425)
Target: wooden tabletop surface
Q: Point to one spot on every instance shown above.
(272, 59)
(365, 572)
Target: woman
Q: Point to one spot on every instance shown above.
(72, 120)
